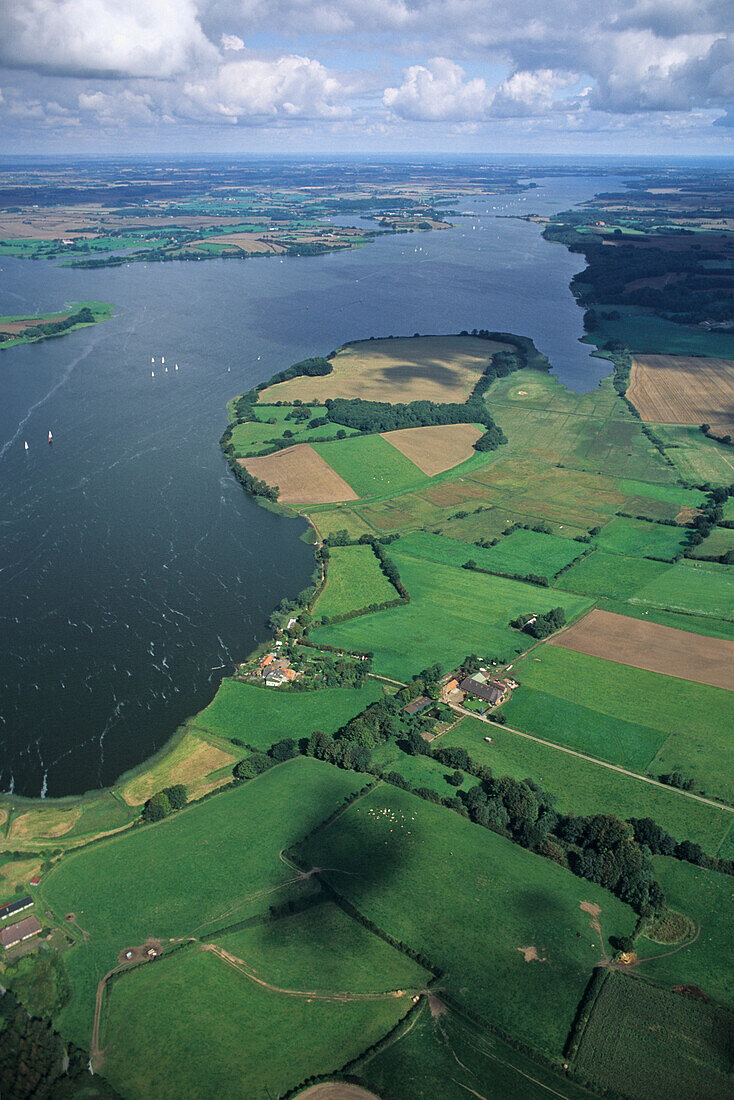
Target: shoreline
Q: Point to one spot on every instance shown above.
(101, 311)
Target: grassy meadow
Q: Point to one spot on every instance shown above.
(371, 465)
(451, 612)
(519, 553)
(582, 787)
(354, 580)
(262, 1044)
(260, 716)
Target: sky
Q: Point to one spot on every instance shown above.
(576, 77)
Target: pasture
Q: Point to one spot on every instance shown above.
(424, 871)
(194, 760)
(615, 575)
(451, 612)
(403, 369)
(251, 1042)
(451, 1057)
(696, 457)
(330, 520)
(324, 950)
(436, 448)
(653, 647)
(663, 1043)
(370, 465)
(638, 719)
(677, 389)
(705, 897)
(260, 716)
(213, 860)
(695, 587)
(301, 474)
(638, 538)
(582, 787)
(719, 542)
(354, 580)
(253, 435)
(522, 552)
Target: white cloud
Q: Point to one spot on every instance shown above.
(529, 93)
(158, 38)
(286, 88)
(232, 42)
(438, 93)
(122, 108)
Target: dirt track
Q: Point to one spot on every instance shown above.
(649, 646)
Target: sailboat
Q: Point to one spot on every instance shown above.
(152, 358)
(152, 374)
(26, 445)
(50, 436)
(163, 358)
(176, 366)
(166, 371)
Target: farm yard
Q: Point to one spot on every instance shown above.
(652, 647)
(678, 389)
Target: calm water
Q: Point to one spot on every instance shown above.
(134, 569)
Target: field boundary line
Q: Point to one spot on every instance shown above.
(595, 760)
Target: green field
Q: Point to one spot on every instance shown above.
(451, 612)
(641, 539)
(371, 465)
(705, 897)
(520, 553)
(260, 716)
(641, 720)
(696, 457)
(450, 1057)
(102, 312)
(720, 541)
(192, 1026)
(614, 575)
(323, 949)
(354, 580)
(650, 1043)
(696, 587)
(251, 437)
(419, 771)
(469, 900)
(644, 332)
(585, 788)
(176, 878)
(679, 620)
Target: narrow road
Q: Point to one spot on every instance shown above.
(594, 760)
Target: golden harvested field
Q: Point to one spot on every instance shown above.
(411, 368)
(683, 389)
(14, 328)
(190, 762)
(248, 242)
(435, 449)
(652, 647)
(43, 823)
(302, 476)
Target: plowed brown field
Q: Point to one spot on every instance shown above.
(652, 647)
(435, 449)
(413, 368)
(682, 389)
(302, 476)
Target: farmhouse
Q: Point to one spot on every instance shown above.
(16, 933)
(14, 907)
(491, 692)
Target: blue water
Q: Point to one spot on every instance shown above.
(134, 570)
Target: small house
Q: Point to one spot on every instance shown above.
(419, 704)
(35, 881)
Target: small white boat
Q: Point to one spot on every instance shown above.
(176, 366)
(152, 358)
(166, 370)
(152, 374)
(50, 436)
(163, 358)
(26, 445)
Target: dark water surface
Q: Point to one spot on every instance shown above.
(134, 571)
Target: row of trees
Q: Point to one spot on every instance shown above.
(543, 625)
(165, 803)
(380, 416)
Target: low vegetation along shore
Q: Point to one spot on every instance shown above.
(465, 823)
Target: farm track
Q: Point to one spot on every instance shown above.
(595, 760)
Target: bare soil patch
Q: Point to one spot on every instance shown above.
(43, 823)
(140, 953)
(337, 1090)
(656, 648)
(683, 389)
(15, 328)
(435, 449)
(687, 515)
(530, 954)
(413, 368)
(189, 763)
(302, 475)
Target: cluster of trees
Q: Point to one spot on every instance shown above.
(340, 672)
(500, 365)
(34, 1060)
(313, 367)
(541, 626)
(83, 316)
(254, 485)
(710, 513)
(661, 843)
(165, 803)
(380, 416)
(706, 429)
